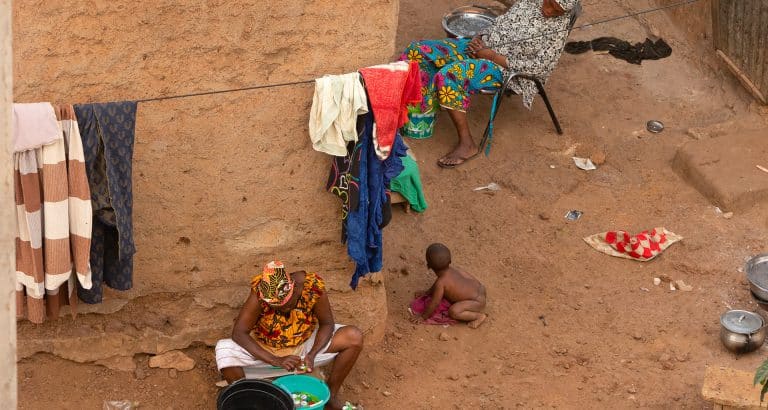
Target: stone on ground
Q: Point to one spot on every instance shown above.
(173, 360)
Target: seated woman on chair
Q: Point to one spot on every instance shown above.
(528, 38)
(287, 323)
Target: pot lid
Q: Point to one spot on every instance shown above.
(741, 321)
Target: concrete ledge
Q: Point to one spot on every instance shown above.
(724, 169)
(731, 389)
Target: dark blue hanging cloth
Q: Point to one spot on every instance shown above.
(361, 180)
(108, 131)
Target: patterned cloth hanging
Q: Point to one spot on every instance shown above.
(642, 247)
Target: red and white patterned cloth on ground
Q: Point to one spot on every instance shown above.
(642, 247)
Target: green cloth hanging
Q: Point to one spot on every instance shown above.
(408, 184)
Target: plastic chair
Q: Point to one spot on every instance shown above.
(505, 90)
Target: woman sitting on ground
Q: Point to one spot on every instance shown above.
(287, 322)
(528, 38)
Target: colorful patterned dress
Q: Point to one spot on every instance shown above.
(531, 43)
(280, 330)
(449, 75)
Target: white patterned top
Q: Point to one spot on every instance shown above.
(531, 42)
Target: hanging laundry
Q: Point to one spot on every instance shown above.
(408, 184)
(391, 88)
(642, 247)
(337, 102)
(360, 180)
(635, 54)
(108, 137)
(34, 125)
(53, 210)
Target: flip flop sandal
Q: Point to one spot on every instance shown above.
(442, 164)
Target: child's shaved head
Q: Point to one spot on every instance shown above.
(438, 256)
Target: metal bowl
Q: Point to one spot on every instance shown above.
(760, 302)
(468, 21)
(757, 275)
(742, 331)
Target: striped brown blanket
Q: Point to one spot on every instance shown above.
(53, 210)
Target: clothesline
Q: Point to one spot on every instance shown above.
(286, 84)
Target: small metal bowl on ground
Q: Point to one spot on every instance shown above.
(742, 331)
(760, 302)
(468, 21)
(757, 274)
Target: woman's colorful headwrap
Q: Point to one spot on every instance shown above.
(275, 287)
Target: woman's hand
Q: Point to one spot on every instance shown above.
(309, 362)
(289, 363)
(550, 8)
(475, 46)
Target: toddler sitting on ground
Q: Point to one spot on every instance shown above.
(455, 295)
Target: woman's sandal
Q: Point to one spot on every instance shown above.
(442, 164)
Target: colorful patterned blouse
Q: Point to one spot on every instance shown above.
(289, 329)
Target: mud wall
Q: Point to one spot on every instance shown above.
(694, 19)
(226, 182)
(7, 220)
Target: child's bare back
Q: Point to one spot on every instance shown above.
(464, 291)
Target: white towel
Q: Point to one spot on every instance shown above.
(337, 102)
(34, 125)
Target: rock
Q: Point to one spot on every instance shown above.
(397, 335)
(728, 215)
(632, 390)
(386, 393)
(139, 374)
(366, 385)
(173, 373)
(454, 377)
(560, 350)
(120, 363)
(222, 383)
(666, 362)
(544, 216)
(672, 286)
(698, 133)
(598, 158)
(174, 359)
(657, 281)
(403, 257)
(683, 286)
(637, 336)
(444, 337)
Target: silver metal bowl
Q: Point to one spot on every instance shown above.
(468, 21)
(757, 275)
(742, 331)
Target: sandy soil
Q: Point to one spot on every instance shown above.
(569, 327)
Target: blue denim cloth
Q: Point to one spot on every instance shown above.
(107, 131)
(363, 224)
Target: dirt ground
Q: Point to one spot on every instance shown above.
(569, 327)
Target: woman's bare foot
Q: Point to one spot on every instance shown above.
(477, 322)
(459, 155)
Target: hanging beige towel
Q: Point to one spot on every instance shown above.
(337, 102)
(34, 125)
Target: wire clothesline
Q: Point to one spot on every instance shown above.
(286, 84)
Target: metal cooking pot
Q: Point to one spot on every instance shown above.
(467, 21)
(742, 331)
(757, 274)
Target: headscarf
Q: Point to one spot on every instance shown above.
(275, 286)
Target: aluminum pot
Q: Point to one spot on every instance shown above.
(742, 331)
(757, 274)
